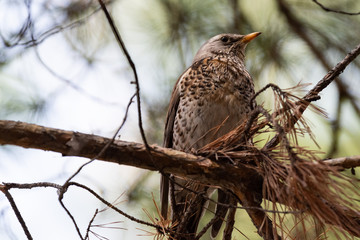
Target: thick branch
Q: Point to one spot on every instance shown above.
(70, 143)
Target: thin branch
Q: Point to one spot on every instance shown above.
(333, 73)
(64, 188)
(44, 184)
(344, 162)
(48, 33)
(32, 185)
(90, 224)
(300, 30)
(298, 27)
(335, 11)
(321, 85)
(5, 190)
(132, 65)
(108, 204)
(7, 186)
(71, 217)
(103, 150)
(269, 85)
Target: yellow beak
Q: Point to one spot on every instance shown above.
(249, 37)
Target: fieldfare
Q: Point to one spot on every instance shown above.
(209, 99)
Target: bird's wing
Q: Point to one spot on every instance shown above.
(168, 142)
(170, 117)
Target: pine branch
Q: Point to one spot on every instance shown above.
(70, 143)
(344, 162)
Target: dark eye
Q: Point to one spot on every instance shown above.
(224, 39)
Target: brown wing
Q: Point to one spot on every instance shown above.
(168, 142)
(170, 117)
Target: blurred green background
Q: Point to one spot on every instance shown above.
(61, 67)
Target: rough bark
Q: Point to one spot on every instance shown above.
(70, 143)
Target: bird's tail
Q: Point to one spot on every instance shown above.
(221, 210)
(190, 202)
(164, 195)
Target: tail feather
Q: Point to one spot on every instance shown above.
(220, 212)
(196, 213)
(189, 208)
(164, 195)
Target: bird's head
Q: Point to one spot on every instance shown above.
(225, 43)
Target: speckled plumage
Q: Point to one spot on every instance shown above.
(214, 97)
(209, 99)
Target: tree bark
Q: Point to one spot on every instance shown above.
(199, 168)
(70, 143)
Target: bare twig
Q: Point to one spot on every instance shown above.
(333, 73)
(32, 185)
(269, 85)
(103, 150)
(7, 186)
(48, 33)
(322, 84)
(344, 162)
(70, 216)
(90, 223)
(132, 65)
(108, 204)
(329, 77)
(335, 11)
(65, 186)
(7, 194)
(42, 184)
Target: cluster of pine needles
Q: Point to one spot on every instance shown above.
(295, 179)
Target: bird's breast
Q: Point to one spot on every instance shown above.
(201, 121)
(214, 98)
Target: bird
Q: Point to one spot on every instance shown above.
(209, 99)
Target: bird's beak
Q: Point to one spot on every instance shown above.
(249, 37)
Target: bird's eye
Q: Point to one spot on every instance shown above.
(224, 39)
